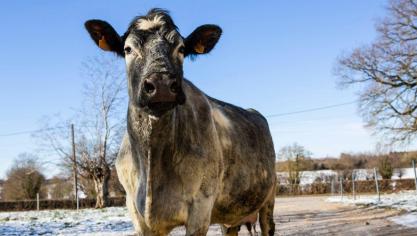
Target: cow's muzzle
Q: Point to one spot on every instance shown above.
(160, 89)
(161, 93)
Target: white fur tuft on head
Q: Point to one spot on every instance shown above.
(147, 24)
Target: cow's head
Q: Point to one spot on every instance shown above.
(154, 52)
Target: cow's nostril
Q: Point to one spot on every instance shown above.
(174, 87)
(149, 87)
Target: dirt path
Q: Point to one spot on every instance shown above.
(315, 216)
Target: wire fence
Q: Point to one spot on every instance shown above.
(348, 184)
(343, 187)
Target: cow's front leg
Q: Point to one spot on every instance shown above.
(138, 222)
(133, 213)
(199, 216)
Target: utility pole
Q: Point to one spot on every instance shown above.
(37, 201)
(376, 185)
(415, 174)
(74, 166)
(353, 185)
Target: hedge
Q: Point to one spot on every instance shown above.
(56, 204)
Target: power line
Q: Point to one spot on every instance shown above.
(311, 109)
(268, 116)
(30, 131)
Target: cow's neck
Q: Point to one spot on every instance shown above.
(175, 134)
(159, 147)
(151, 135)
(162, 145)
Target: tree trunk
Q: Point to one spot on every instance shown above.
(101, 185)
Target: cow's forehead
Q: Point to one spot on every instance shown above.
(155, 19)
(148, 23)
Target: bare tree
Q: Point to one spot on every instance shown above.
(385, 166)
(116, 188)
(296, 157)
(61, 188)
(387, 71)
(99, 123)
(24, 179)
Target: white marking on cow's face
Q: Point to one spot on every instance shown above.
(173, 37)
(221, 119)
(177, 54)
(151, 117)
(147, 24)
(134, 50)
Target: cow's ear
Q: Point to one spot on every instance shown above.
(202, 40)
(105, 36)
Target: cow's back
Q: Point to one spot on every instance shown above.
(248, 157)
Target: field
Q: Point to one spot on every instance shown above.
(312, 215)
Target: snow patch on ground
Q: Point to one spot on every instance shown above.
(409, 220)
(108, 221)
(406, 200)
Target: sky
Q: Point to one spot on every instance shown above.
(273, 56)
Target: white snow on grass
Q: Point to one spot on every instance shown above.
(406, 200)
(409, 220)
(108, 221)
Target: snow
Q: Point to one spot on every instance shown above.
(406, 201)
(308, 177)
(405, 173)
(108, 221)
(409, 220)
(364, 174)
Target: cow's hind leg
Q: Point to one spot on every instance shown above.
(266, 218)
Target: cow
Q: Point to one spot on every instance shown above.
(186, 158)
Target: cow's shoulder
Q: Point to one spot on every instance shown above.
(236, 113)
(224, 114)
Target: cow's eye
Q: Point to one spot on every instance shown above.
(128, 50)
(181, 49)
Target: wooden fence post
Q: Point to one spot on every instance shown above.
(37, 201)
(376, 184)
(341, 188)
(415, 175)
(74, 166)
(332, 186)
(353, 185)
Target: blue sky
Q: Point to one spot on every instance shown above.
(274, 56)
